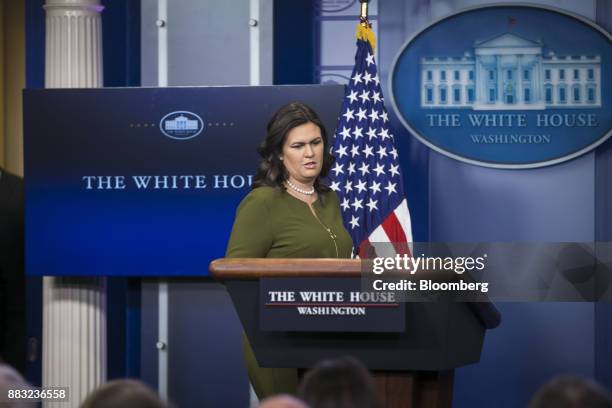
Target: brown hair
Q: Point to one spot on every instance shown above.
(568, 391)
(271, 171)
(123, 394)
(341, 383)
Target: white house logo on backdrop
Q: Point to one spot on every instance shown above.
(507, 86)
(181, 125)
(510, 72)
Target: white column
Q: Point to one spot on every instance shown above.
(436, 85)
(554, 86)
(73, 50)
(463, 81)
(478, 81)
(74, 309)
(535, 80)
(519, 80)
(538, 84)
(500, 88)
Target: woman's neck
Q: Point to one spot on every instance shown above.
(308, 185)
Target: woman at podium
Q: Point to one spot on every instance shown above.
(289, 213)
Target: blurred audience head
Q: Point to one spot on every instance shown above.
(282, 401)
(340, 383)
(123, 394)
(571, 392)
(11, 379)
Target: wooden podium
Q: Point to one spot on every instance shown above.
(412, 369)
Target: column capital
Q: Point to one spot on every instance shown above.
(81, 5)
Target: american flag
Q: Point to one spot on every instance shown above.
(366, 173)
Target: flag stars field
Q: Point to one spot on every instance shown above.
(373, 115)
(361, 186)
(362, 114)
(357, 204)
(354, 222)
(390, 187)
(364, 96)
(372, 204)
(358, 133)
(371, 133)
(394, 170)
(370, 59)
(348, 186)
(351, 168)
(376, 99)
(375, 187)
(382, 152)
(348, 114)
(346, 132)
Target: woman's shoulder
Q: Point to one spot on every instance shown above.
(263, 193)
(260, 196)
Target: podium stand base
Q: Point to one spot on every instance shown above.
(419, 389)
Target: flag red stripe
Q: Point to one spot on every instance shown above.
(362, 250)
(396, 234)
(394, 229)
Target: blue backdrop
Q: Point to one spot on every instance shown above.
(108, 193)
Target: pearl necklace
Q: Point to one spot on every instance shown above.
(299, 190)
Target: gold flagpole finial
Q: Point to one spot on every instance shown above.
(363, 16)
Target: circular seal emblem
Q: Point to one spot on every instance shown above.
(506, 86)
(181, 125)
(334, 6)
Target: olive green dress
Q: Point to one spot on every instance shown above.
(271, 223)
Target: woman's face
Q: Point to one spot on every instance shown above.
(303, 153)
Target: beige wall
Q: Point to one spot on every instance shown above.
(12, 81)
